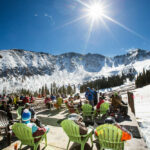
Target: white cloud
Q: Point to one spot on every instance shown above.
(45, 14)
(35, 15)
(50, 18)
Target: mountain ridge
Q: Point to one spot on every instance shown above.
(28, 69)
(117, 55)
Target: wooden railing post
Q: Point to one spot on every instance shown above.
(131, 101)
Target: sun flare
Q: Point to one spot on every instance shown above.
(95, 11)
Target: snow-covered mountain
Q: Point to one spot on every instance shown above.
(31, 70)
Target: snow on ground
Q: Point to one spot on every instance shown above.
(31, 70)
(125, 86)
(142, 110)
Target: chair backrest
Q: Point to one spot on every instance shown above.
(23, 133)
(19, 110)
(104, 108)
(59, 101)
(71, 129)
(110, 137)
(3, 119)
(87, 110)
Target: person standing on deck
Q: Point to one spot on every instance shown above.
(95, 97)
(89, 96)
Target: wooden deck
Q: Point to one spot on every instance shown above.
(134, 143)
(57, 139)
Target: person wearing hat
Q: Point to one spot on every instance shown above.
(78, 120)
(33, 115)
(36, 131)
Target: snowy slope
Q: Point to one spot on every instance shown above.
(142, 110)
(31, 70)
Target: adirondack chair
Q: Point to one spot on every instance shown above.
(71, 110)
(72, 131)
(87, 110)
(59, 101)
(19, 113)
(103, 109)
(24, 134)
(110, 137)
(4, 124)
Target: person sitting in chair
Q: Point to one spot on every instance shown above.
(78, 120)
(47, 101)
(101, 101)
(33, 115)
(36, 131)
(70, 106)
(126, 135)
(118, 104)
(6, 107)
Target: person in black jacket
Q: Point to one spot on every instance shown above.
(5, 107)
(95, 97)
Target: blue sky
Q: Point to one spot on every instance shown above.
(43, 25)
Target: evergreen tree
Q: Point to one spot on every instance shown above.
(69, 90)
(74, 89)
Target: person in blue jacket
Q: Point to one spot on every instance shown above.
(53, 97)
(89, 96)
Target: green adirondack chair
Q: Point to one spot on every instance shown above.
(110, 137)
(24, 134)
(87, 110)
(72, 131)
(19, 113)
(104, 108)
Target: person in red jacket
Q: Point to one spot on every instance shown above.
(47, 101)
(99, 104)
(25, 100)
(31, 99)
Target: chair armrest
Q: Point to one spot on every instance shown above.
(90, 131)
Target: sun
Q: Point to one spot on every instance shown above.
(95, 11)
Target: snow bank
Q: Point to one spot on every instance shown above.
(142, 111)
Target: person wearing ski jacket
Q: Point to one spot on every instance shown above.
(25, 100)
(36, 131)
(89, 96)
